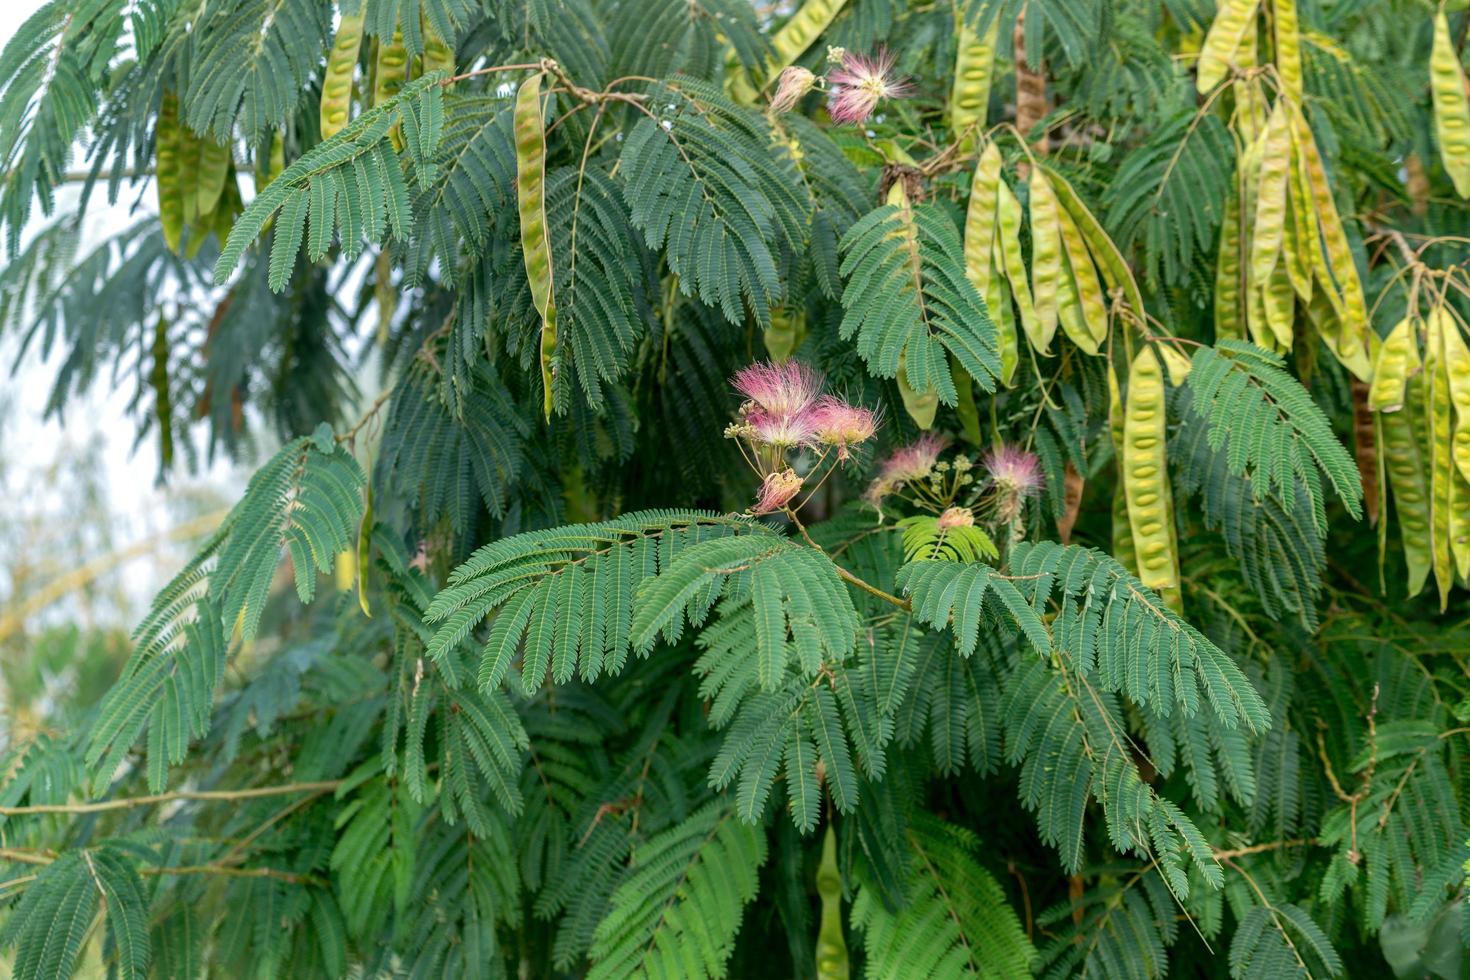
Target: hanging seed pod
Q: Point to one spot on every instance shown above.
(1046, 260)
(1288, 48)
(530, 137)
(1228, 324)
(1457, 368)
(1226, 34)
(168, 140)
(969, 98)
(1008, 211)
(1451, 105)
(1441, 464)
(336, 102)
(1146, 475)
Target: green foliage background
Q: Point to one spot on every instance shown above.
(492, 676)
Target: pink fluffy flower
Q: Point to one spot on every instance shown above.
(779, 389)
(782, 431)
(956, 517)
(860, 84)
(776, 491)
(914, 461)
(796, 81)
(1015, 475)
(839, 424)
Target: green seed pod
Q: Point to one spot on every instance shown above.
(1228, 323)
(1441, 463)
(1226, 34)
(1046, 260)
(168, 139)
(1288, 48)
(336, 102)
(1146, 474)
(1008, 242)
(1457, 368)
(1451, 106)
(1398, 359)
(969, 98)
(530, 137)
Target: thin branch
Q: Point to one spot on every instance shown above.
(203, 795)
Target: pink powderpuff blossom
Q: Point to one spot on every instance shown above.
(956, 517)
(796, 81)
(782, 431)
(776, 491)
(914, 461)
(779, 389)
(860, 84)
(839, 424)
(1014, 475)
(1014, 470)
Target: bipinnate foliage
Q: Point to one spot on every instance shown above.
(770, 508)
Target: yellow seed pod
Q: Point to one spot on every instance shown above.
(1442, 472)
(922, 406)
(798, 33)
(980, 217)
(530, 137)
(1123, 549)
(1175, 363)
(1226, 34)
(1398, 359)
(189, 147)
(1008, 213)
(1228, 322)
(965, 408)
(1457, 372)
(168, 139)
(1288, 48)
(1274, 162)
(1279, 300)
(998, 301)
(1451, 106)
(1294, 252)
(982, 262)
(1146, 474)
(1403, 453)
(336, 103)
(209, 179)
(1459, 524)
(969, 98)
(1104, 251)
(438, 55)
(390, 71)
(1335, 265)
(1046, 260)
(365, 550)
(1307, 236)
(1082, 273)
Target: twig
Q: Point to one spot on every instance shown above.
(203, 795)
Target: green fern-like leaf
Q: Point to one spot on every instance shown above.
(253, 62)
(956, 922)
(925, 540)
(907, 300)
(569, 591)
(1281, 941)
(704, 187)
(1114, 629)
(679, 907)
(1270, 429)
(307, 502)
(351, 186)
(52, 73)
